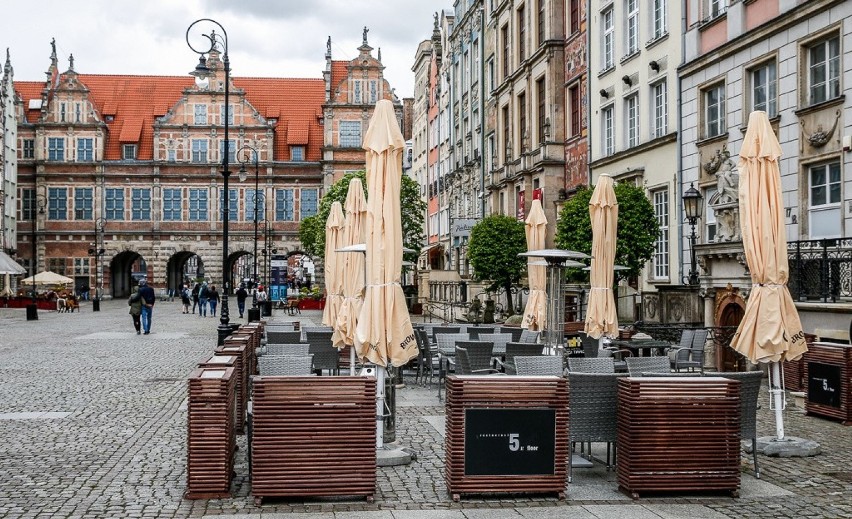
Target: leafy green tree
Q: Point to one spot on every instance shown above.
(495, 242)
(312, 229)
(637, 227)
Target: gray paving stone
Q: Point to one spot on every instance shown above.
(620, 512)
(675, 511)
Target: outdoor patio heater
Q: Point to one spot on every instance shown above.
(556, 261)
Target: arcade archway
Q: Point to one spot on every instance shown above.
(126, 269)
(184, 267)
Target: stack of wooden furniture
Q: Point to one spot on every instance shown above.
(478, 393)
(313, 436)
(678, 434)
(239, 350)
(210, 436)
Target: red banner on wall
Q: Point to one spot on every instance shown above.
(522, 202)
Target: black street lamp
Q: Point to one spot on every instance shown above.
(97, 251)
(243, 176)
(693, 203)
(37, 208)
(202, 71)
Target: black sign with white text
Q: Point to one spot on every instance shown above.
(824, 384)
(509, 442)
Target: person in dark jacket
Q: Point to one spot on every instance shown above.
(148, 300)
(135, 303)
(242, 294)
(195, 290)
(202, 300)
(213, 299)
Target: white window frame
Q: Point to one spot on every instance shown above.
(129, 151)
(659, 109)
(829, 87)
(719, 105)
(631, 114)
(199, 115)
(659, 20)
(200, 150)
(716, 8)
(766, 87)
(710, 224)
(349, 134)
(660, 201)
(608, 39)
(631, 40)
(829, 208)
(608, 130)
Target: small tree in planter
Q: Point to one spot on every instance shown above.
(495, 242)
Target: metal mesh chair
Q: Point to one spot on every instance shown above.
(299, 348)
(749, 391)
(278, 365)
(592, 406)
(529, 336)
(283, 337)
(516, 332)
(539, 365)
(498, 339)
(636, 366)
(598, 365)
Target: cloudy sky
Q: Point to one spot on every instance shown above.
(282, 38)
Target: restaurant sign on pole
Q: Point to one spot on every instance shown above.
(462, 226)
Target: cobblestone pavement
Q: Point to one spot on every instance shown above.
(93, 425)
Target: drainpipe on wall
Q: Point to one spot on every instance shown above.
(482, 111)
(679, 172)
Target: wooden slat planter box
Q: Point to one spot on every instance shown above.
(210, 433)
(313, 436)
(828, 369)
(506, 435)
(678, 435)
(241, 403)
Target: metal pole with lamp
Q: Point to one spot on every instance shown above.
(39, 203)
(254, 313)
(97, 251)
(692, 206)
(202, 72)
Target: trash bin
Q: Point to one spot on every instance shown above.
(32, 312)
(253, 315)
(267, 308)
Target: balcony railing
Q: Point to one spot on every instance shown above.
(820, 270)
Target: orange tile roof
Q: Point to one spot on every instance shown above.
(338, 72)
(136, 101)
(297, 133)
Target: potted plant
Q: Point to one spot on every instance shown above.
(311, 299)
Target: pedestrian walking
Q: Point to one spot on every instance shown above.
(202, 300)
(194, 294)
(135, 303)
(242, 294)
(213, 299)
(184, 298)
(148, 300)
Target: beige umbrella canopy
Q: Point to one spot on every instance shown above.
(333, 265)
(353, 266)
(384, 331)
(770, 330)
(47, 278)
(535, 313)
(601, 316)
(10, 266)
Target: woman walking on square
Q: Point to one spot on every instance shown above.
(213, 299)
(135, 303)
(202, 300)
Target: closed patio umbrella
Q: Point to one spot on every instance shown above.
(535, 313)
(770, 330)
(333, 265)
(601, 316)
(384, 328)
(353, 266)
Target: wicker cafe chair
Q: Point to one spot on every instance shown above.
(438, 330)
(592, 406)
(281, 365)
(516, 332)
(591, 346)
(679, 356)
(282, 336)
(475, 330)
(749, 391)
(326, 356)
(529, 336)
(636, 366)
(287, 349)
(463, 364)
(446, 349)
(539, 365)
(427, 359)
(314, 329)
(479, 354)
(515, 349)
(598, 365)
(498, 339)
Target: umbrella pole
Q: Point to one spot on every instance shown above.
(352, 361)
(776, 390)
(380, 406)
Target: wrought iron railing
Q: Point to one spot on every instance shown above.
(820, 270)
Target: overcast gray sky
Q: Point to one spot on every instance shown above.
(281, 38)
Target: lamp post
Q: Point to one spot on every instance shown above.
(97, 251)
(692, 206)
(202, 71)
(39, 203)
(254, 314)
